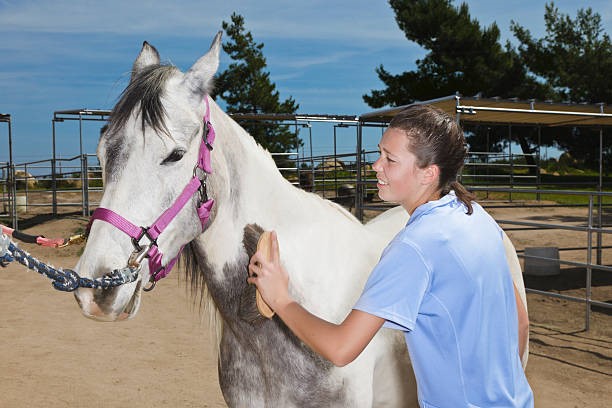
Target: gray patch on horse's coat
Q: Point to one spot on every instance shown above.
(104, 299)
(247, 309)
(265, 361)
(116, 153)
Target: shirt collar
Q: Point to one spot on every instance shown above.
(448, 199)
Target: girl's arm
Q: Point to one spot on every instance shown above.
(523, 322)
(339, 343)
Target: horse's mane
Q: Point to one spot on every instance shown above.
(146, 89)
(145, 92)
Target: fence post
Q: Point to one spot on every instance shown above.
(359, 181)
(538, 164)
(599, 197)
(54, 174)
(13, 197)
(85, 185)
(511, 161)
(589, 271)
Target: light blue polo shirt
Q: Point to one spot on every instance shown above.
(445, 282)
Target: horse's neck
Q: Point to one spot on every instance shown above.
(243, 182)
(319, 241)
(247, 177)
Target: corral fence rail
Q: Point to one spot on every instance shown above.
(344, 176)
(72, 182)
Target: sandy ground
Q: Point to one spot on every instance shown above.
(51, 356)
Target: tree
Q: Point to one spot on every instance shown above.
(246, 88)
(575, 55)
(463, 57)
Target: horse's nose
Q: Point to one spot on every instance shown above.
(97, 304)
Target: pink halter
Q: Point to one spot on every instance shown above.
(152, 232)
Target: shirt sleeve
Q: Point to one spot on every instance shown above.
(396, 286)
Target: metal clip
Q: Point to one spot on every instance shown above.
(74, 240)
(137, 256)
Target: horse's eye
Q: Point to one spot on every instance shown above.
(176, 155)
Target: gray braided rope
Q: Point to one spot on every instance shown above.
(64, 280)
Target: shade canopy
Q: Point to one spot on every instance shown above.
(496, 111)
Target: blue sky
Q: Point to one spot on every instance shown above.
(65, 54)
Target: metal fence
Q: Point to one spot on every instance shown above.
(595, 233)
(344, 175)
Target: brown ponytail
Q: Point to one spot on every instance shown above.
(463, 195)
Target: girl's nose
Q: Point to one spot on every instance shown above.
(376, 165)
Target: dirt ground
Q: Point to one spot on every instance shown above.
(51, 356)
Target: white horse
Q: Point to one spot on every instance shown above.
(154, 139)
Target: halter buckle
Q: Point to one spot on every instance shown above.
(207, 127)
(203, 193)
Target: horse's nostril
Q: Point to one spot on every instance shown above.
(83, 297)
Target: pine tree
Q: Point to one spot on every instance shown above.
(463, 57)
(575, 55)
(246, 88)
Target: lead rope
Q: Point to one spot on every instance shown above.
(63, 280)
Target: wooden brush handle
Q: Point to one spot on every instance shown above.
(265, 246)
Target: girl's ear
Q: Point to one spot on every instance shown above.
(431, 174)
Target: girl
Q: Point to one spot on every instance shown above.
(443, 280)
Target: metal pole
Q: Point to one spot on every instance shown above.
(588, 268)
(83, 168)
(600, 198)
(538, 176)
(458, 116)
(511, 161)
(312, 169)
(10, 141)
(358, 186)
(54, 172)
(11, 174)
(457, 110)
(335, 164)
(85, 177)
(298, 158)
(487, 159)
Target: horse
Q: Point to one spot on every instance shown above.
(169, 149)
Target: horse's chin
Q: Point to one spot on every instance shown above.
(124, 306)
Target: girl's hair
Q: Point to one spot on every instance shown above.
(434, 137)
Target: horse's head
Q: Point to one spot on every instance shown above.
(154, 176)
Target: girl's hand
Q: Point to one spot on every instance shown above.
(270, 277)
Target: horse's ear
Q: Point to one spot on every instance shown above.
(148, 56)
(199, 78)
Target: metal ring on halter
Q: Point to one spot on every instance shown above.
(150, 288)
(152, 281)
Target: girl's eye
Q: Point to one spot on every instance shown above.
(390, 160)
(176, 155)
